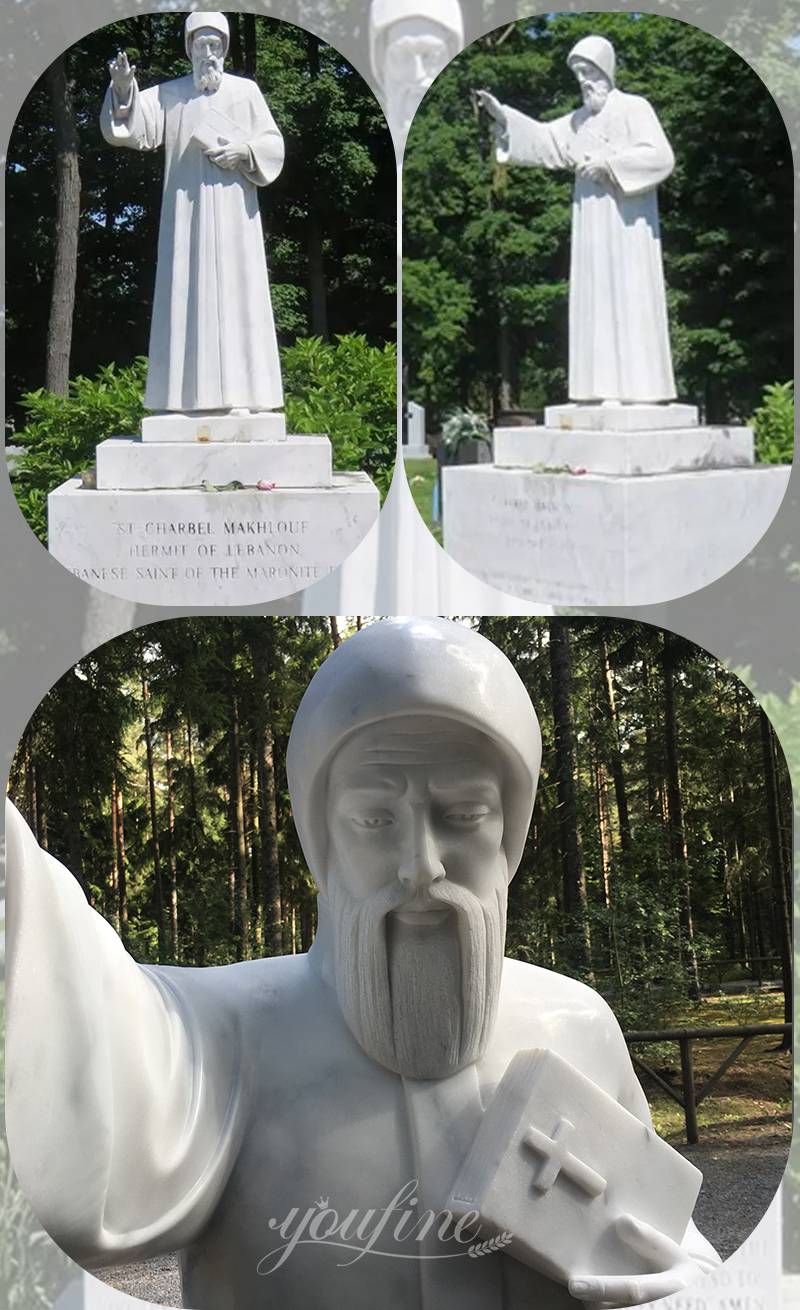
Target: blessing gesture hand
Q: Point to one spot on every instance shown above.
(122, 75)
(491, 105)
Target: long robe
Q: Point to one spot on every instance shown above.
(155, 1108)
(619, 346)
(212, 336)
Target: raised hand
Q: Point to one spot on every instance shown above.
(491, 105)
(122, 75)
(674, 1268)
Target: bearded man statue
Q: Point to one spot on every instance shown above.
(213, 346)
(324, 1100)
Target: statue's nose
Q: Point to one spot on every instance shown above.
(420, 866)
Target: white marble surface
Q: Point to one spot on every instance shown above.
(267, 426)
(410, 42)
(303, 461)
(190, 547)
(212, 333)
(616, 148)
(643, 452)
(232, 1113)
(749, 1280)
(598, 539)
(620, 418)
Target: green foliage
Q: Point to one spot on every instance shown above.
(329, 218)
(464, 425)
(61, 433)
(487, 249)
(347, 389)
(773, 423)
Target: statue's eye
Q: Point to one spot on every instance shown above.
(373, 821)
(467, 815)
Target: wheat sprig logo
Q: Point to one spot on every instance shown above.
(490, 1245)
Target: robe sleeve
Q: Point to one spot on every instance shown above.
(647, 159)
(525, 140)
(124, 1096)
(265, 142)
(138, 124)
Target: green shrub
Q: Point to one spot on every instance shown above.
(61, 433)
(773, 423)
(346, 389)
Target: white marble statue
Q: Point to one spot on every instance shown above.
(410, 43)
(289, 1123)
(212, 336)
(619, 348)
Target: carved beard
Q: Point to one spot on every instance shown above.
(207, 73)
(594, 97)
(420, 1000)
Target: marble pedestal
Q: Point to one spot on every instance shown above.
(605, 539)
(126, 464)
(202, 547)
(645, 451)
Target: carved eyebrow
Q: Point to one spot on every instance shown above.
(370, 782)
(479, 787)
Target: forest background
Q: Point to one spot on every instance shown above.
(658, 861)
(82, 237)
(485, 278)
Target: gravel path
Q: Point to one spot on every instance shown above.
(738, 1184)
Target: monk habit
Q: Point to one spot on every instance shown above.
(212, 336)
(619, 345)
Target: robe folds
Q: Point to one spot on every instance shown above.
(212, 335)
(619, 347)
(153, 1109)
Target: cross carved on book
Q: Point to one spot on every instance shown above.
(557, 1159)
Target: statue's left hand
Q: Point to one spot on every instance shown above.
(675, 1269)
(229, 156)
(595, 169)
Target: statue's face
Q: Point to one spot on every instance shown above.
(415, 50)
(414, 804)
(417, 880)
(208, 58)
(594, 84)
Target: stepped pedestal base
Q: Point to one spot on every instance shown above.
(661, 450)
(597, 539)
(619, 418)
(203, 548)
(124, 464)
(268, 425)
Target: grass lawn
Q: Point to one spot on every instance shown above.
(753, 1099)
(421, 474)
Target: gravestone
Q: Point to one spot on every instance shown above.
(414, 442)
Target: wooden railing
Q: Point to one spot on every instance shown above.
(691, 1097)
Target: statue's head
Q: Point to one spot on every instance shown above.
(410, 43)
(413, 763)
(206, 37)
(594, 64)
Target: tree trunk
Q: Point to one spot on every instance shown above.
(314, 231)
(781, 874)
(122, 868)
(574, 876)
(68, 205)
(151, 790)
(249, 36)
(239, 838)
(335, 634)
(608, 705)
(172, 864)
(270, 873)
(675, 821)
